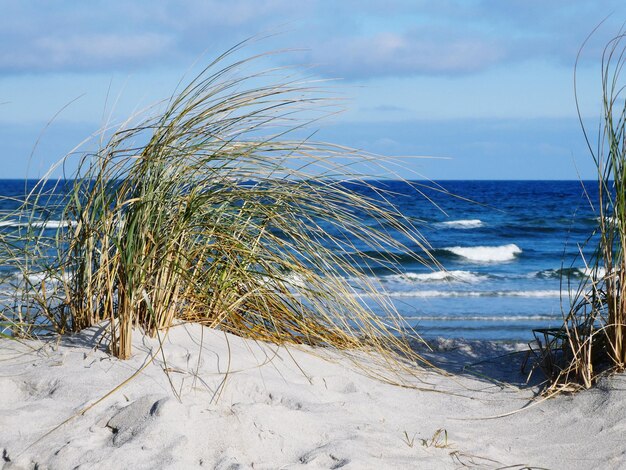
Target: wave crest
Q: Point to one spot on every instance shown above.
(486, 253)
(463, 223)
(47, 224)
(437, 276)
(572, 273)
(459, 293)
(484, 318)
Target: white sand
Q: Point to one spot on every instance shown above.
(287, 409)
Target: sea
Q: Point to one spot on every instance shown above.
(507, 252)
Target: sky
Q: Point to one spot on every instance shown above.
(485, 86)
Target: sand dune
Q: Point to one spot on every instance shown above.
(265, 407)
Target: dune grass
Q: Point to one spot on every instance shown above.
(211, 211)
(595, 325)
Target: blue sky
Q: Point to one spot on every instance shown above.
(488, 84)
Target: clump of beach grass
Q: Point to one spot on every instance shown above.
(595, 326)
(214, 211)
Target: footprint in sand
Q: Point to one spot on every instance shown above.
(133, 419)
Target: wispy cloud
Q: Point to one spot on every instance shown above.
(80, 52)
(389, 54)
(351, 39)
(387, 108)
(39, 36)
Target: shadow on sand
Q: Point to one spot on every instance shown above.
(501, 363)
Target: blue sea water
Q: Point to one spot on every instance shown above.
(503, 246)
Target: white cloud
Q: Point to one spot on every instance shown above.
(86, 51)
(389, 54)
(108, 35)
(347, 38)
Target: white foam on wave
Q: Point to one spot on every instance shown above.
(291, 279)
(463, 223)
(458, 276)
(51, 224)
(486, 253)
(36, 278)
(458, 293)
(47, 224)
(486, 318)
(595, 273)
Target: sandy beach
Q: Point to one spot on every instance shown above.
(230, 403)
(222, 222)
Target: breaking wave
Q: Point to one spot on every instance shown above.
(463, 223)
(436, 276)
(486, 253)
(47, 224)
(572, 273)
(487, 318)
(462, 293)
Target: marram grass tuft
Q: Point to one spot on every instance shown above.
(594, 331)
(212, 212)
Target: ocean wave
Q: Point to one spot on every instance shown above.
(37, 278)
(462, 293)
(34, 278)
(51, 224)
(486, 253)
(10, 223)
(608, 220)
(435, 276)
(596, 273)
(486, 318)
(572, 273)
(46, 224)
(463, 223)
